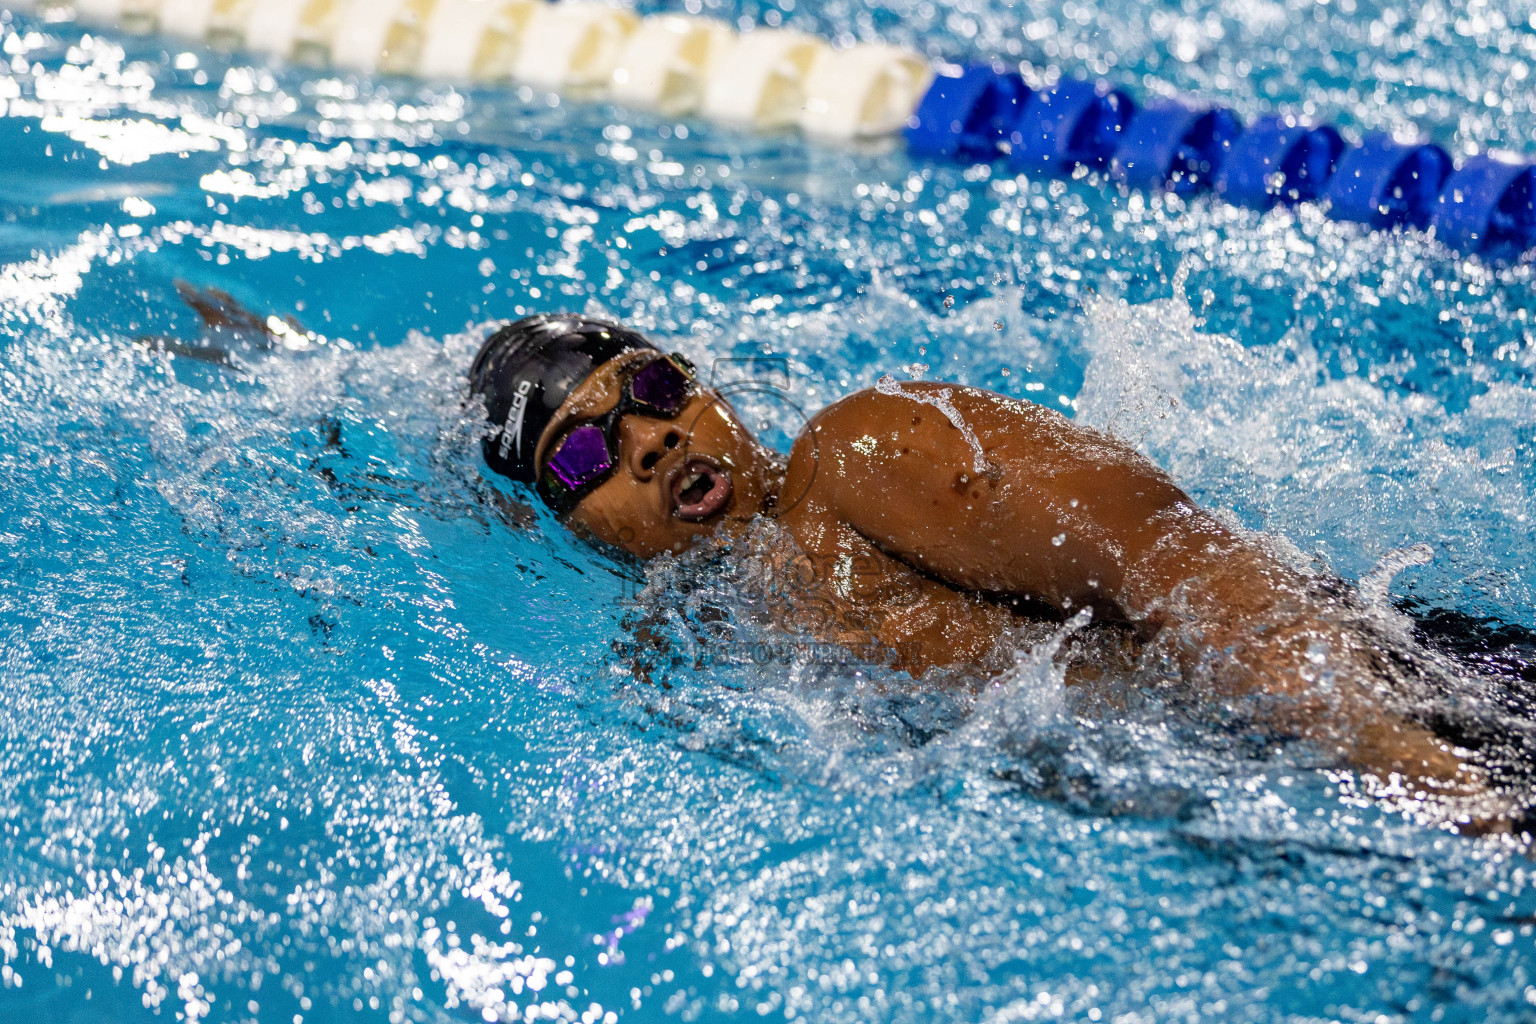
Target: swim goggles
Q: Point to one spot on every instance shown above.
(588, 455)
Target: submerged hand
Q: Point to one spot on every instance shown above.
(1268, 641)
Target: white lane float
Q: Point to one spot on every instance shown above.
(867, 90)
(759, 82)
(572, 45)
(472, 40)
(131, 15)
(358, 43)
(674, 64)
(184, 19)
(272, 26)
(666, 63)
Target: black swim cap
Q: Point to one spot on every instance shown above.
(528, 368)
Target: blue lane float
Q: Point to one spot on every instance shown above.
(1489, 205)
(1076, 123)
(1175, 146)
(1279, 160)
(1386, 183)
(770, 78)
(968, 116)
(1187, 146)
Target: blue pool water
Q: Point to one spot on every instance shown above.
(300, 724)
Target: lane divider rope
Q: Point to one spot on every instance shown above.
(983, 113)
(770, 79)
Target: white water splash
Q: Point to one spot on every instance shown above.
(1026, 698)
(1346, 468)
(1374, 584)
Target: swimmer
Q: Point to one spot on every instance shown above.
(929, 520)
(966, 503)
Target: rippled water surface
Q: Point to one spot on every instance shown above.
(301, 722)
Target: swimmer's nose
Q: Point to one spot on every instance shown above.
(645, 441)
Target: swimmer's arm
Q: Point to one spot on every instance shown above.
(1048, 508)
(225, 319)
(224, 316)
(1070, 516)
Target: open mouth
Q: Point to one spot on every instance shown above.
(701, 489)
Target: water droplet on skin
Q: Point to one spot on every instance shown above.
(1058, 540)
(940, 400)
(949, 302)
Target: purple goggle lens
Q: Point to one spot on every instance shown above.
(660, 385)
(659, 388)
(582, 457)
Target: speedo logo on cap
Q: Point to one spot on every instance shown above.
(512, 428)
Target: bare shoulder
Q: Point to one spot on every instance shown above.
(887, 438)
(983, 491)
(880, 416)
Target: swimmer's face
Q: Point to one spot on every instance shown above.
(675, 479)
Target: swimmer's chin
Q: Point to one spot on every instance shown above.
(700, 489)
